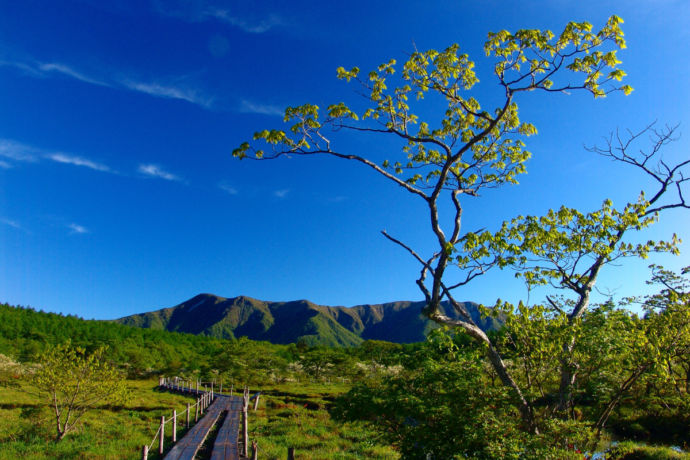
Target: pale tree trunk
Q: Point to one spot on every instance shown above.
(497, 363)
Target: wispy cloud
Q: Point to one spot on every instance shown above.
(187, 93)
(170, 92)
(77, 229)
(78, 161)
(227, 188)
(251, 27)
(17, 151)
(153, 170)
(281, 193)
(262, 109)
(68, 71)
(245, 18)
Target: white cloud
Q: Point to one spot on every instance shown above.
(78, 161)
(46, 69)
(258, 27)
(170, 92)
(227, 188)
(17, 151)
(156, 171)
(66, 70)
(77, 229)
(281, 193)
(261, 109)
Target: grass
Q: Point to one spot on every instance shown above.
(297, 416)
(26, 429)
(293, 415)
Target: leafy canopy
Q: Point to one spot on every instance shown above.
(73, 382)
(471, 148)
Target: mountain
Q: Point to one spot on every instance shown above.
(300, 320)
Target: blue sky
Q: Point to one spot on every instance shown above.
(118, 193)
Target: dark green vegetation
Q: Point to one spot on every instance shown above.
(297, 322)
(443, 401)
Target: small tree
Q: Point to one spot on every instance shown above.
(74, 382)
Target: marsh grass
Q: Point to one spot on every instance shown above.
(290, 415)
(297, 416)
(107, 432)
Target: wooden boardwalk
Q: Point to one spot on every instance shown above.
(225, 446)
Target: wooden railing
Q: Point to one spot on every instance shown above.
(204, 399)
(205, 396)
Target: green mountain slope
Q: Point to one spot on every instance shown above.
(301, 320)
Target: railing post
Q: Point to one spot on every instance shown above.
(196, 411)
(145, 453)
(211, 391)
(291, 453)
(245, 423)
(187, 415)
(160, 441)
(174, 426)
(255, 451)
(197, 386)
(256, 401)
(221, 387)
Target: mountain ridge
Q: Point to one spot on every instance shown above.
(298, 320)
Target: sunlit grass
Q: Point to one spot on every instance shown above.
(26, 427)
(296, 416)
(290, 415)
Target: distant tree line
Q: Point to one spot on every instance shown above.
(25, 334)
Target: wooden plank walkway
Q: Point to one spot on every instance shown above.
(225, 447)
(187, 447)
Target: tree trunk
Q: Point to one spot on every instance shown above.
(497, 363)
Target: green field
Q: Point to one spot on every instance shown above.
(289, 416)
